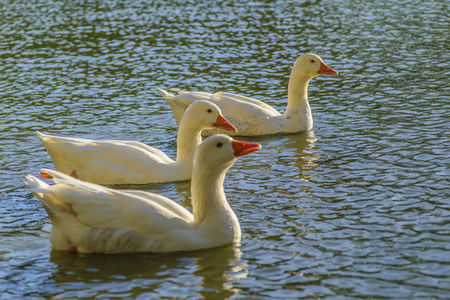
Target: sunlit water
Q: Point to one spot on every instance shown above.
(357, 208)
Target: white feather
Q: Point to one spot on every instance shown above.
(253, 117)
(92, 218)
(129, 162)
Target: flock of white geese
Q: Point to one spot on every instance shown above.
(89, 217)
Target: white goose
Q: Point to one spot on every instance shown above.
(253, 117)
(129, 162)
(90, 218)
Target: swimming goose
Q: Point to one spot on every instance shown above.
(128, 162)
(253, 117)
(87, 217)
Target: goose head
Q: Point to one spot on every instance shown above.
(205, 114)
(311, 65)
(221, 150)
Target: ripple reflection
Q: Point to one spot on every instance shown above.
(179, 275)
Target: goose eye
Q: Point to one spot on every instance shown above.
(219, 145)
(313, 61)
(209, 110)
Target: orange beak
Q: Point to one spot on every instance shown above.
(222, 123)
(326, 70)
(244, 148)
(46, 175)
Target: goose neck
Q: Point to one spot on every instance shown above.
(297, 93)
(208, 196)
(188, 140)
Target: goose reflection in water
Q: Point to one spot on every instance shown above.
(305, 153)
(293, 155)
(213, 271)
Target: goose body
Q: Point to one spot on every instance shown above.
(253, 117)
(87, 217)
(130, 162)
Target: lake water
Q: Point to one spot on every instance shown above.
(357, 208)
